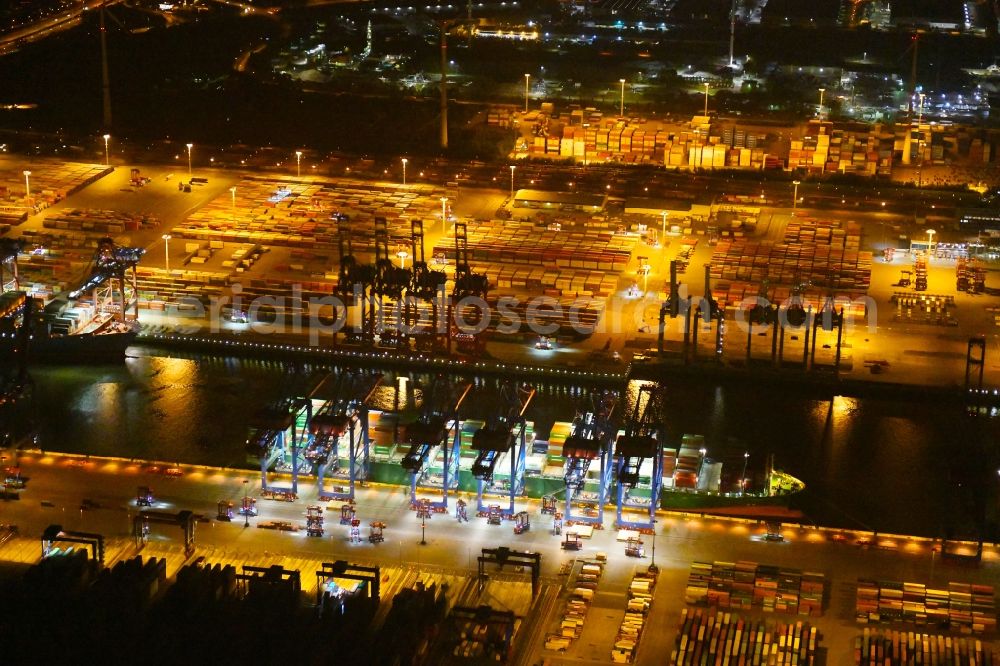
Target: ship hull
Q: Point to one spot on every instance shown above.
(81, 349)
(536, 487)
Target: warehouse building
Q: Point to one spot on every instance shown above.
(538, 199)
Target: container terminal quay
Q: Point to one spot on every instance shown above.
(915, 300)
(373, 495)
(560, 594)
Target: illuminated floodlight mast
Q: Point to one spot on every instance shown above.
(107, 155)
(189, 147)
(404, 171)
(166, 251)
(27, 183)
(621, 110)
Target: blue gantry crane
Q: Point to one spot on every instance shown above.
(340, 423)
(278, 441)
(592, 439)
(636, 445)
(438, 425)
(110, 267)
(504, 433)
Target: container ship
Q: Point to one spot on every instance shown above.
(89, 325)
(691, 479)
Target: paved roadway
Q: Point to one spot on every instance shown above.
(62, 482)
(9, 41)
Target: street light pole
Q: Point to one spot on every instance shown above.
(706, 99)
(663, 234)
(621, 111)
(298, 163)
(189, 147)
(652, 568)
(404, 172)
(920, 109)
(232, 192)
(527, 88)
(512, 167)
(930, 240)
(27, 183)
(743, 479)
(423, 530)
(246, 504)
(166, 252)
(444, 213)
(107, 155)
(821, 91)
(795, 196)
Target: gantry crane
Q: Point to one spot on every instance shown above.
(16, 325)
(592, 439)
(636, 445)
(427, 288)
(277, 440)
(504, 433)
(438, 426)
(108, 269)
(344, 414)
(467, 284)
(353, 281)
(388, 282)
(9, 249)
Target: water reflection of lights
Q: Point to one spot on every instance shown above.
(844, 406)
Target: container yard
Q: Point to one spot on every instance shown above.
(751, 586)
(726, 637)
(279, 237)
(48, 182)
(899, 648)
(589, 136)
(598, 602)
(959, 606)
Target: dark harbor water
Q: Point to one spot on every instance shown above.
(915, 468)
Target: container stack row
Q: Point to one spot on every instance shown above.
(296, 213)
(91, 220)
(824, 148)
(710, 637)
(802, 257)
(586, 135)
(906, 648)
(964, 607)
(745, 294)
(160, 290)
(640, 599)
(920, 273)
(523, 255)
(745, 585)
(536, 245)
(970, 275)
(577, 606)
(50, 182)
(564, 316)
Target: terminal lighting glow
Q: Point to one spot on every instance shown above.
(280, 195)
